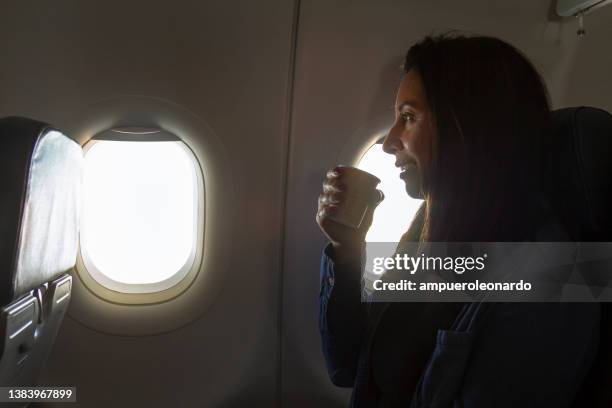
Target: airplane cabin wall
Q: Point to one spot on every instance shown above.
(231, 63)
(227, 62)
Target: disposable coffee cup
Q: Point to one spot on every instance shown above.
(360, 187)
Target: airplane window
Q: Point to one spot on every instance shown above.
(138, 231)
(393, 216)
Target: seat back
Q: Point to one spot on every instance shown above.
(40, 186)
(578, 176)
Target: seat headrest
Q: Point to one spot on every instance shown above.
(578, 173)
(40, 184)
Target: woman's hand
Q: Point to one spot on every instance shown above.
(346, 241)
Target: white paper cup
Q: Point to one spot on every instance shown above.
(359, 190)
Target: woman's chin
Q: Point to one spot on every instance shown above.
(413, 187)
(415, 193)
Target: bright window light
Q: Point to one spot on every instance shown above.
(139, 214)
(393, 216)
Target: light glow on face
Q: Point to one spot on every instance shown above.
(393, 216)
(139, 210)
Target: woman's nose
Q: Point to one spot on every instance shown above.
(392, 144)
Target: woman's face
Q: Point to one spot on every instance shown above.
(410, 139)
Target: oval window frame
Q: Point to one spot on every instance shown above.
(179, 282)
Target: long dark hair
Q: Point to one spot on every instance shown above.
(490, 110)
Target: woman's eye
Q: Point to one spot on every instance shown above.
(407, 118)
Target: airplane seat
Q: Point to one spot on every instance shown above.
(40, 185)
(578, 176)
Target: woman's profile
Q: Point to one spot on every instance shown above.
(470, 115)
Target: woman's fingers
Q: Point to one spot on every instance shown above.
(324, 212)
(333, 189)
(334, 192)
(333, 181)
(327, 202)
(331, 197)
(331, 185)
(332, 173)
(335, 172)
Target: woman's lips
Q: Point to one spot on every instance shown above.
(406, 169)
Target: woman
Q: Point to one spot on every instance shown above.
(469, 119)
